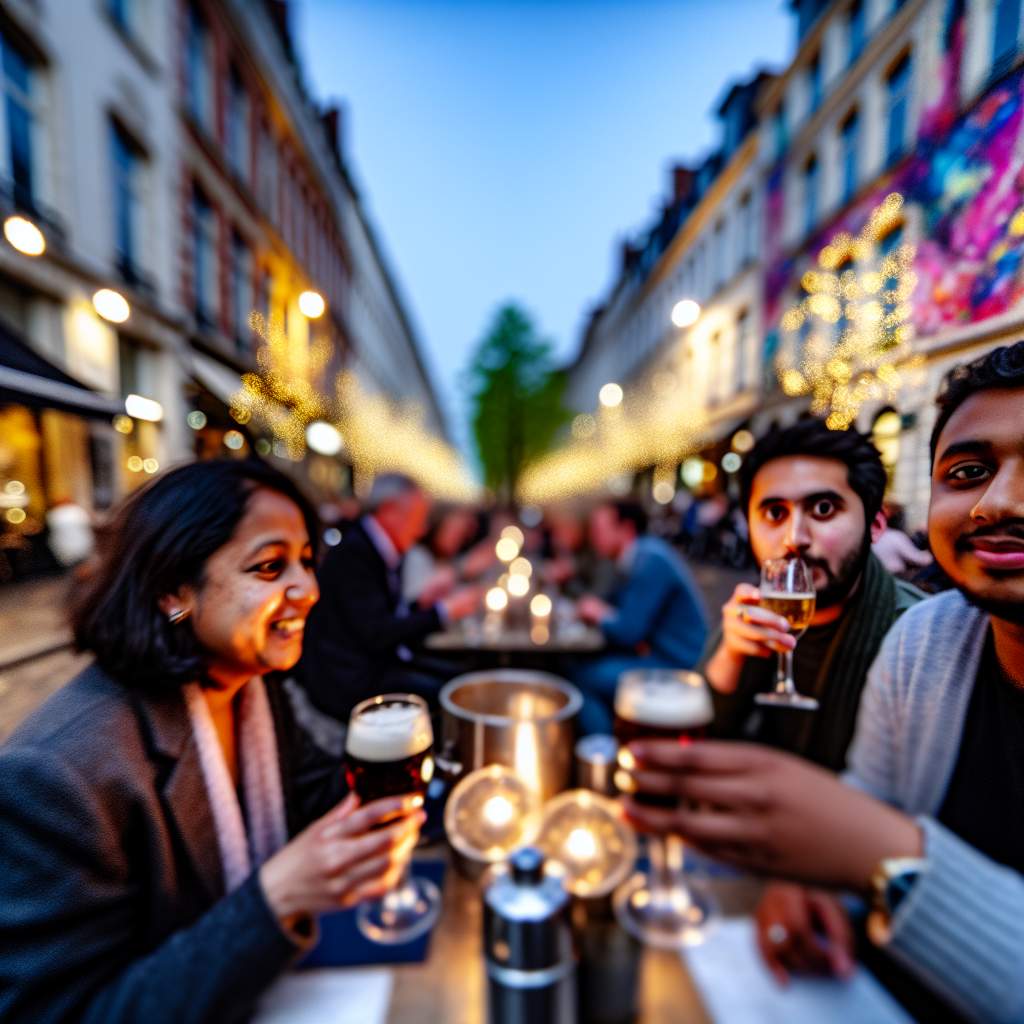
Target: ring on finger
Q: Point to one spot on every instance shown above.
(777, 934)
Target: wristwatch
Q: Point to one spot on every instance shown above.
(891, 880)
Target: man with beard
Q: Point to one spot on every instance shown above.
(926, 823)
(814, 494)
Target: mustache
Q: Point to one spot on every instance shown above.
(1006, 528)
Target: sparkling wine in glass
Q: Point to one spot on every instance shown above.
(389, 752)
(787, 589)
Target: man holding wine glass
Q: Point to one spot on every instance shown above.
(813, 497)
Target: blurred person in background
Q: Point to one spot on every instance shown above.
(70, 533)
(362, 637)
(571, 562)
(454, 549)
(894, 549)
(168, 832)
(926, 822)
(654, 618)
(814, 494)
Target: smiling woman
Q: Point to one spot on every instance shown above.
(147, 807)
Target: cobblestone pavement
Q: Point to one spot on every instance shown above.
(32, 619)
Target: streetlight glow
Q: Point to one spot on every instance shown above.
(312, 305)
(24, 236)
(324, 438)
(685, 313)
(111, 305)
(610, 395)
(140, 408)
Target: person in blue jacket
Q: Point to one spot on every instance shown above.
(654, 619)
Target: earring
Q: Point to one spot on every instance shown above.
(179, 616)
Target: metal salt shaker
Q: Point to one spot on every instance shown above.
(531, 963)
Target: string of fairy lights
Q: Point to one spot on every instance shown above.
(853, 325)
(292, 396)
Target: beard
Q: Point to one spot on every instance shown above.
(841, 583)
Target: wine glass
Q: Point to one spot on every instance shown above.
(660, 908)
(787, 589)
(389, 752)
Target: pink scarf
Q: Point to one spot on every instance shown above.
(240, 854)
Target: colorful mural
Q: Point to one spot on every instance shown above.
(963, 185)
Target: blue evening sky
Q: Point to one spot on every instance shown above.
(504, 147)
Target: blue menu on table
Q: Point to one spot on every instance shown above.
(342, 944)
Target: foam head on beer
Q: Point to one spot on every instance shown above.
(391, 732)
(664, 703)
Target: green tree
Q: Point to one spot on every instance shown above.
(515, 398)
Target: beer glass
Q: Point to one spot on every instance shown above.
(787, 590)
(389, 752)
(660, 908)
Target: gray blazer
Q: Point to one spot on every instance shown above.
(112, 902)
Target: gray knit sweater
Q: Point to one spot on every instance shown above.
(961, 927)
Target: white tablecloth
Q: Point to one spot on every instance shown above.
(737, 988)
(328, 995)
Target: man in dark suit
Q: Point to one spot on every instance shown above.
(361, 637)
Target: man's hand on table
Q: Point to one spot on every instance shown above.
(803, 931)
(769, 812)
(592, 610)
(461, 603)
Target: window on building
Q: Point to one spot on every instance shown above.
(19, 113)
(127, 164)
(204, 263)
(267, 183)
(849, 143)
(810, 194)
(855, 29)
(746, 372)
(1005, 34)
(898, 100)
(885, 435)
(199, 71)
(715, 382)
(120, 13)
(261, 304)
(814, 83)
(721, 255)
(238, 126)
(780, 132)
(887, 248)
(241, 292)
(747, 231)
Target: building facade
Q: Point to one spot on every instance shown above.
(187, 268)
(895, 214)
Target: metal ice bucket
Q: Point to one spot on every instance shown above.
(521, 719)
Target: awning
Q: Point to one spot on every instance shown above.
(220, 380)
(26, 378)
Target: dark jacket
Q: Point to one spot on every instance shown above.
(112, 902)
(355, 630)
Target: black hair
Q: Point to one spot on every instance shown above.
(627, 511)
(864, 470)
(1003, 367)
(161, 539)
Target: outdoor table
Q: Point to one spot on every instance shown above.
(449, 987)
(508, 646)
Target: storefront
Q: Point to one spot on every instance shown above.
(56, 447)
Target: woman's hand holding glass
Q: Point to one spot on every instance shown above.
(349, 855)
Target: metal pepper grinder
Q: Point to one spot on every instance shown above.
(531, 963)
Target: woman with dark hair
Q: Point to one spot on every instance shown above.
(158, 861)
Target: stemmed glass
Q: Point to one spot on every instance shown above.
(660, 908)
(389, 752)
(787, 589)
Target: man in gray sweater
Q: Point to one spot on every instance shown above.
(928, 825)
